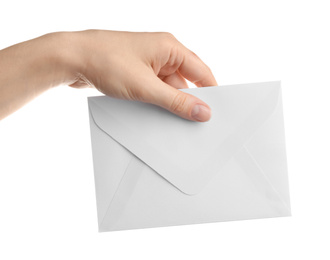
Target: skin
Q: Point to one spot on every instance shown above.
(148, 67)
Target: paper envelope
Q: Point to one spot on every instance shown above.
(155, 169)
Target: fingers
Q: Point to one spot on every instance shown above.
(182, 104)
(175, 80)
(195, 70)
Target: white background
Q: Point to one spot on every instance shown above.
(47, 200)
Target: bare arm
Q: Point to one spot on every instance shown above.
(149, 67)
(27, 69)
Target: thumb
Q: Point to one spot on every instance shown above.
(182, 104)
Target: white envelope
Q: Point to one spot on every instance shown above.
(155, 169)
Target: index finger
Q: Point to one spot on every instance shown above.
(195, 70)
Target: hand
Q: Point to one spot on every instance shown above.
(148, 67)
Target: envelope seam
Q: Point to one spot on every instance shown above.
(113, 197)
(266, 178)
(247, 140)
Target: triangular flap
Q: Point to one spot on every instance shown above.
(188, 154)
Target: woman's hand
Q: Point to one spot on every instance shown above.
(148, 67)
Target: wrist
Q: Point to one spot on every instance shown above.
(63, 56)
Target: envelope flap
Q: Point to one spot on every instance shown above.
(188, 154)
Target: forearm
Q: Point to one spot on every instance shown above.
(30, 68)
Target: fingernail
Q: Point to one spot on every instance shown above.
(201, 113)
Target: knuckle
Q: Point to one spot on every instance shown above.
(166, 38)
(168, 35)
(179, 103)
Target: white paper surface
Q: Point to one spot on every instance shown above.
(153, 168)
